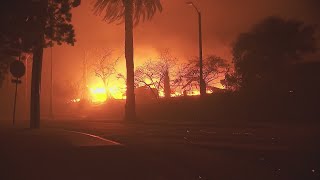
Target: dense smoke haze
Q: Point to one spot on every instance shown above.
(175, 29)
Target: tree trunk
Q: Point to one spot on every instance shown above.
(106, 87)
(41, 17)
(167, 90)
(130, 109)
(35, 87)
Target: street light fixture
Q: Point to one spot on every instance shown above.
(202, 82)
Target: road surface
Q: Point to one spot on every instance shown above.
(87, 149)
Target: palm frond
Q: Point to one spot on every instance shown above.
(113, 10)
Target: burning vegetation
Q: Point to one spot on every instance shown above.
(161, 77)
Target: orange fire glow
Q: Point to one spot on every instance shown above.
(99, 93)
(76, 100)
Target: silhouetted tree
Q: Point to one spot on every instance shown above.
(130, 12)
(214, 69)
(12, 20)
(149, 74)
(166, 85)
(155, 74)
(166, 64)
(262, 55)
(4, 67)
(104, 67)
(232, 81)
(51, 24)
(31, 26)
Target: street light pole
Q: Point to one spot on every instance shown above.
(201, 80)
(51, 84)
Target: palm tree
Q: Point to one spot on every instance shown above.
(130, 12)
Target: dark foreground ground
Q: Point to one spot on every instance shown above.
(159, 151)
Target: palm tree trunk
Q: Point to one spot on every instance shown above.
(130, 109)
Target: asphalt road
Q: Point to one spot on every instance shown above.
(87, 149)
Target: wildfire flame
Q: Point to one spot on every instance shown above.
(98, 94)
(76, 100)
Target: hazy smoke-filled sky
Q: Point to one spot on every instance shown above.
(175, 28)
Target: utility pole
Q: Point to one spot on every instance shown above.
(51, 82)
(84, 94)
(26, 84)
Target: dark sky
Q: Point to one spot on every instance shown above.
(176, 28)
